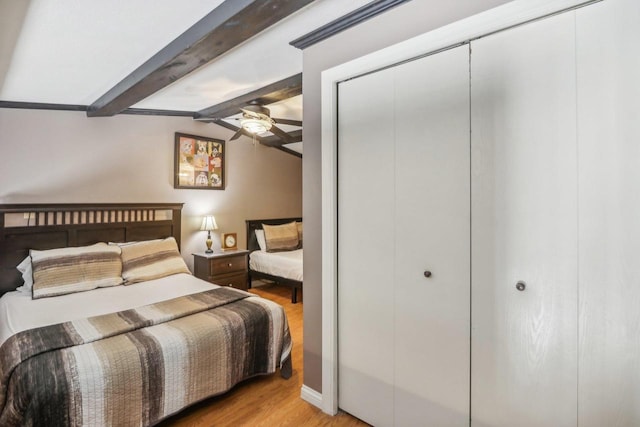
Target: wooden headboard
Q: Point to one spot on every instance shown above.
(48, 226)
(256, 224)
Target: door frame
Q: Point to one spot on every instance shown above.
(511, 14)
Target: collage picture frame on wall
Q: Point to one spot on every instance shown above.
(199, 162)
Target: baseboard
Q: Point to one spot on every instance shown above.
(310, 395)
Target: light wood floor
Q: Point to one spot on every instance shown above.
(269, 400)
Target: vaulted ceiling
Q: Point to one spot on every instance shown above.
(201, 58)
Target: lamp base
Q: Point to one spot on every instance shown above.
(209, 243)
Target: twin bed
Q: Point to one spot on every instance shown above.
(124, 354)
(282, 267)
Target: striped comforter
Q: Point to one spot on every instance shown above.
(139, 366)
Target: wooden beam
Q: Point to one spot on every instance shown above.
(274, 141)
(42, 106)
(289, 151)
(229, 126)
(278, 91)
(347, 21)
(222, 123)
(73, 107)
(227, 26)
(149, 112)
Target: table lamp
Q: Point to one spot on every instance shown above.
(209, 224)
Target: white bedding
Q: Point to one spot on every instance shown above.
(286, 264)
(18, 312)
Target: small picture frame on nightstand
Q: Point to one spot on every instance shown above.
(229, 241)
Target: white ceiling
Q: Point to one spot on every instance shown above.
(73, 51)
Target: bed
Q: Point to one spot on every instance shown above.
(121, 354)
(284, 268)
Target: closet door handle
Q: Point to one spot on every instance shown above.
(427, 273)
(521, 285)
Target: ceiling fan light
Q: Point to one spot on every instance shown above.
(254, 125)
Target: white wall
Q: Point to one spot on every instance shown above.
(65, 157)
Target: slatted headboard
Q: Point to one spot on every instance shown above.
(48, 226)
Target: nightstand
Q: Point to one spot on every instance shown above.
(228, 268)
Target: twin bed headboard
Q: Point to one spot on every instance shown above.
(48, 226)
(256, 224)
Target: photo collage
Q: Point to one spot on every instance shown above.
(200, 163)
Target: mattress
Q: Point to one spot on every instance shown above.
(282, 264)
(18, 312)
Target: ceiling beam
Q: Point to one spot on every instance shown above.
(42, 106)
(275, 141)
(222, 123)
(289, 151)
(345, 22)
(74, 107)
(150, 112)
(227, 26)
(278, 91)
(229, 126)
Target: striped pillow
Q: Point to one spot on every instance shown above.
(299, 225)
(281, 237)
(151, 259)
(67, 270)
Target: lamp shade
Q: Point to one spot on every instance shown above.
(209, 223)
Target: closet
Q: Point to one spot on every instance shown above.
(489, 230)
(408, 271)
(524, 207)
(608, 84)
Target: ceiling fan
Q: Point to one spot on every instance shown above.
(257, 119)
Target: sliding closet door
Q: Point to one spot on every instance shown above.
(432, 235)
(403, 236)
(524, 231)
(609, 192)
(366, 247)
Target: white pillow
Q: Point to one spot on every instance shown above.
(261, 240)
(27, 276)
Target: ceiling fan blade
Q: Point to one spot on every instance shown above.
(288, 122)
(237, 135)
(249, 113)
(281, 134)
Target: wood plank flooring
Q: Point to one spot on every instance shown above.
(269, 400)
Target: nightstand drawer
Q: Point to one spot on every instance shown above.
(224, 269)
(235, 280)
(228, 264)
